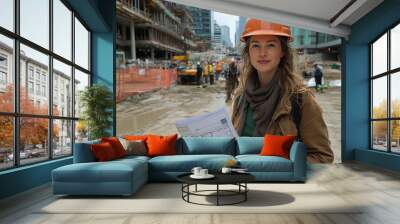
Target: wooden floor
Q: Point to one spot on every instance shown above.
(377, 188)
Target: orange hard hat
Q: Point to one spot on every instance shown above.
(258, 27)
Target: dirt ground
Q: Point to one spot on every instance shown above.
(156, 112)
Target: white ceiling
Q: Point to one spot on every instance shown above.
(316, 15)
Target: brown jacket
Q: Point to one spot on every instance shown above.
(313, 130)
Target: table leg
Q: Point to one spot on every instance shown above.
(196, 188)
(188, 190)
(245, 193)
(182, 190)
(217, 194)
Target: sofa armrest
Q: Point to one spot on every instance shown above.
(298, 155)
(83, 153)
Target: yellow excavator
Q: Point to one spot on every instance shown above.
(186, 71)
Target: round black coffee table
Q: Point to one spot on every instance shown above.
(238, 179)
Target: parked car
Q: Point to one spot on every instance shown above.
(22, 155)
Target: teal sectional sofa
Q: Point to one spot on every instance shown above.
(125, 176)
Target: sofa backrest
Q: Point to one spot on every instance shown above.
(190, 146)
(249, 145)
(206, 145)
(83, 152)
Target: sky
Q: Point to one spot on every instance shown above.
(229, 20)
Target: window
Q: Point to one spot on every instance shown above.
(53, 125)
(30, 87)
(7, 142)
(38, 89)
(385, 94)
(81, 81)
(37, 75)
(3, 78)
(7, 14)
(3, 61)
(43, 90)
(35, 22)
(62, 74)
(3, 72)
(81, 45)
(62, 29)
(62, 140)
(30, 72)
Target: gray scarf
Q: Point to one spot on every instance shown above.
(262, 101)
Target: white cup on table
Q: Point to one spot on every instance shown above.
(203, 172)
(196, 171)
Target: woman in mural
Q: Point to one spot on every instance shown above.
(271, 99)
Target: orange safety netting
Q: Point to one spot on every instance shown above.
(134, 80)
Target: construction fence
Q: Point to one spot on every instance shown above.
(134, 79)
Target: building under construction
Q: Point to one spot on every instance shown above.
(152, 29)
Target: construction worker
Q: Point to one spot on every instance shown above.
(271, 99)
(199, 72)
(205, 72)
(218, 70)
(318, 78)
(211, 73)
(231, 79)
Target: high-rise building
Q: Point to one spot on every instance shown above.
(202, 27)
(216, 38)
(225, 35)
(239, 29)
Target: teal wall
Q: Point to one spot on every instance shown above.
(24, 178)
(355, 128)
(99, 16)
(103, 51)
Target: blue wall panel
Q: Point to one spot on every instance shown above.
(377, 158)
(357, 99)
(356, 66)
(103, 48)
(24, 178)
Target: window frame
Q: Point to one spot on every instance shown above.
(388, 74)
(16, 114)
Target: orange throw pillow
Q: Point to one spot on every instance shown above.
(161, 145)
(103, 152)
(275, 145)
(136, 137)
(116, 145)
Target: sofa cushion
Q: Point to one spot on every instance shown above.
(132, 158)
(161, 145)
(103, 152)
(257, 163)
(206, 145)
(134, 147)
(275, 145)
(185, 163)
(249, 145)
(112, 171)
(116, 145)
